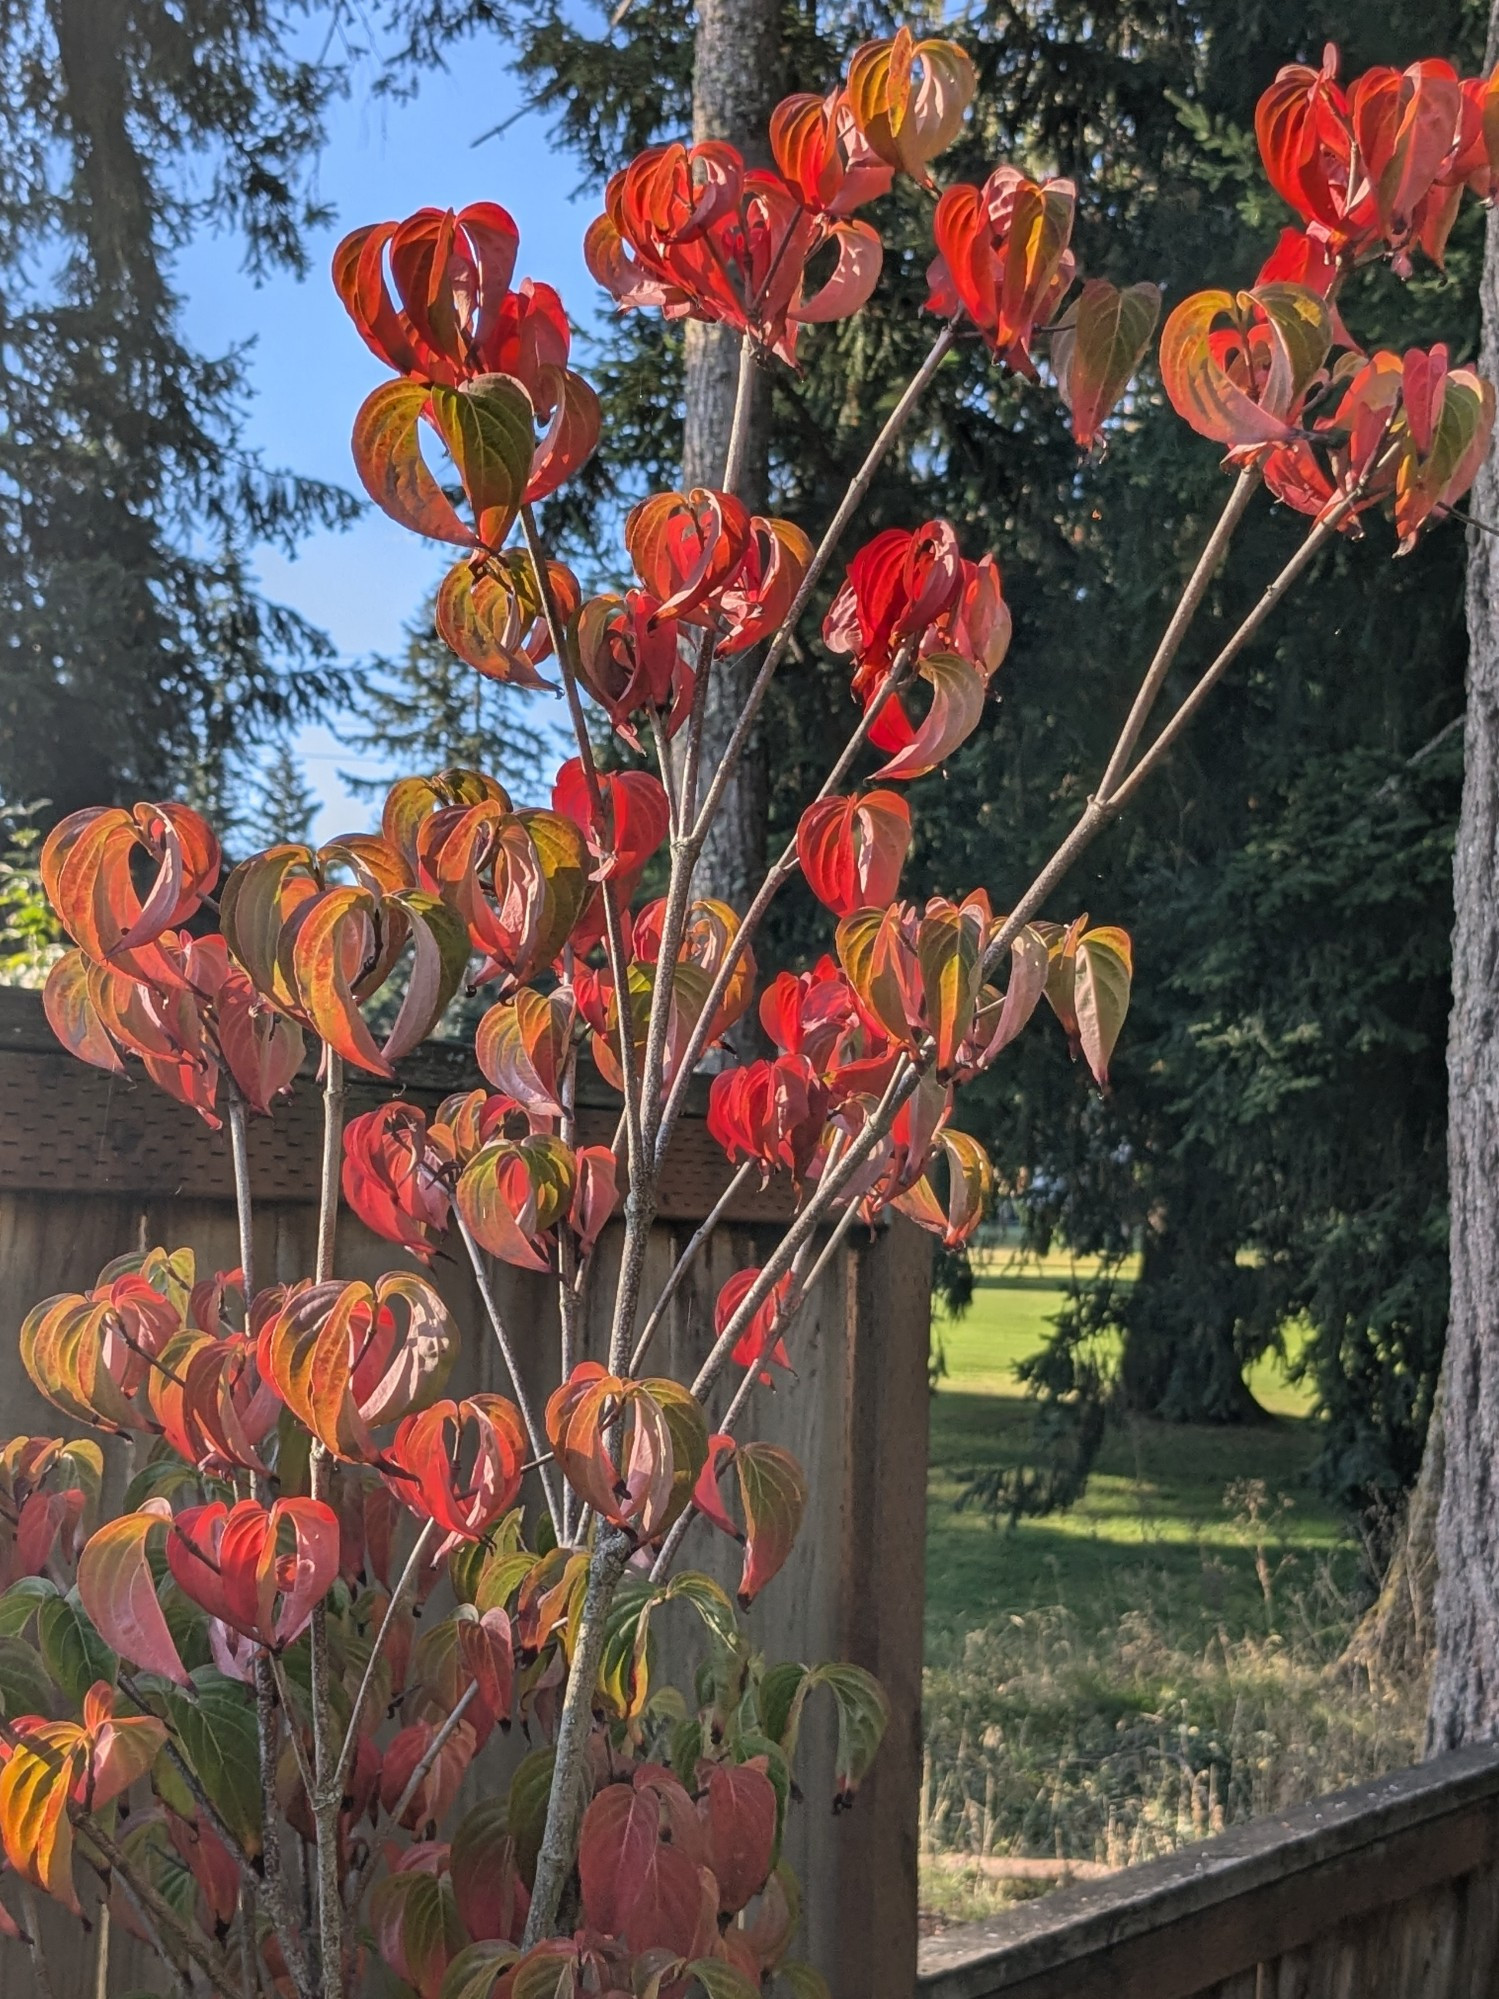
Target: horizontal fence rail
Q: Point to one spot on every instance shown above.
(1386, 1891)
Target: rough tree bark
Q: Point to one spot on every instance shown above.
(1465, 1681)
(735, 84)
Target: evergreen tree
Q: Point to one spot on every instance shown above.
(135, 651)
(426, 711)
(282, 805)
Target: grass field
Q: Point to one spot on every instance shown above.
(1151, 1665)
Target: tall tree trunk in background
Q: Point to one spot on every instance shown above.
(735, 85)
(1465, 1683)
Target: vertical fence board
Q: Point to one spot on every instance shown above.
(90, 1169)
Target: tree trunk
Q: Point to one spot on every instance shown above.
(1465, 1682)
(735, 85)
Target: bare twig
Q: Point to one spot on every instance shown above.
(323, 1794)
(613, 931)
(413, 1784)
(153, 1906)
(1187, 607)
(534, 1429)
(744, 394)
(404, 1582)
(775, 880)
(857, 489)
(240, 1152)
(32, 1914)
(267, 1729)
(685, 1262)
(333, 1134)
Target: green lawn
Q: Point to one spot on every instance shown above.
(1148, 1666)
(1157, 1496)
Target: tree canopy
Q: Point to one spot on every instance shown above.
(137, 651)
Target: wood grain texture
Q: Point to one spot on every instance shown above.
(1388, 1891)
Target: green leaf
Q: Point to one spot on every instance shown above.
(163, 1478)
(1101, 995)
(530, 1788)
(475, 1971)
(722, 1980)
(711, 1602)
(863, 1713)
(489, 427)
(24, 1685)
(777, 1698)
(76, 1656)
(805, 1980)
(216, 1732)
(20, 1603)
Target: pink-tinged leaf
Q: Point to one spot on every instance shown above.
(118, 1591)
(854, 276)
(1097, 348)
(1101, 989)
(595, 1193)
(773, 1491)
(737, 1804)
(388, 458)
(957, 705)
(73, 1017)
(335, 944)
(705, 1495)
(852, 850)
(634, 1885)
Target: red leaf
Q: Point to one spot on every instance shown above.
(635, 1885)
(852, 849)
(118, 1591)
(388, 459)
(737, 1804)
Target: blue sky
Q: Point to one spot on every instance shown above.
(310, 370)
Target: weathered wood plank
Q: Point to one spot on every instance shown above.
(1259, 1895)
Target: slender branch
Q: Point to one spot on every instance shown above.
(240, 1152)
(1176, 630)
(613, 932)
(907, 1075)
(333, 1133)
(244, 1929)
(857, 489)
(413, 1784)
(559, 1843)
(102, 1926)
(744, 395)
(33, 1919)
(404, 1582)
(569, 1268)
(775, 880)
(534, 1429)
(196, 1947)
(1161, 747)
(684, 1264)
(173, 1962)
(324, 1796)
(1101, 811)
(299, 1754)
(697, 714)
(268, 1731)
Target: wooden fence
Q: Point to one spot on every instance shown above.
(1388, 1891)
(91, 1167)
